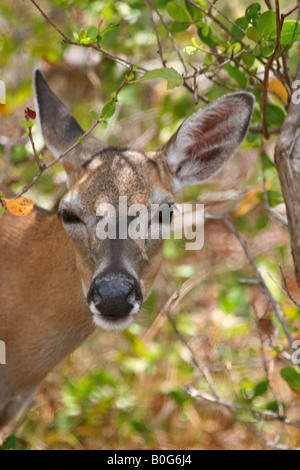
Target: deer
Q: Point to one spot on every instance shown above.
(59, 281)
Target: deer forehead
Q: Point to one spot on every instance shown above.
(112, 173)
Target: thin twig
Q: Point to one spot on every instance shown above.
(213, 6)
(285, 15)
(218, 22)
(277, 310)
(49, 20)
(160, 51)
(98, 48)
(259, 130)
(265, 362)
(170, 36)
(259, 415)
(38, 162)
(287, 291)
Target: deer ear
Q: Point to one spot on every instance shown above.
(60, 130)
(208, 139)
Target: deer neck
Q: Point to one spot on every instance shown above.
(51, 317)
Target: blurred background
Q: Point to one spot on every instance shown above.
(129, 390)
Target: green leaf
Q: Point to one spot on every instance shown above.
(253, 34)
(196, 14)
(273, 406)
(76, 36)
(178, 27)
(205, 29)
(173, 78)
(26, 124)
(108, 110)
(234, 301)
(11, 443)
(2, 210)
(242, 23)
(235, 73)
(290, 32)
(94, 115)
(190, 50)
(83, 33)
(209, 39)
(112, 27)
(178, 11)
(87, 41)
(275, 198)
(252, 13)
(81, 141)
(261, 388)
(42, 157)
(266, 24)
(92, 32)
(292, 377)
(248, 59)
(275, 116)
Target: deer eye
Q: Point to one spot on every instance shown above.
(69, 217)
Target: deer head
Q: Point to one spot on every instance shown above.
(118, 273)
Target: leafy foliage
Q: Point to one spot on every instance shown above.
(129, 390)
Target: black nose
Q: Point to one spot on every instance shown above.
(116, 295)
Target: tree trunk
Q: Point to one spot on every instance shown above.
(287, 159)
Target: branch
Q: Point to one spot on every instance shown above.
(259, 415)
(163, 61)
(67, 40)
(277, 310)
(287, 164)
(286, 292)
(170, 36)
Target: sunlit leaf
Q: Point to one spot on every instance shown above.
(20, 207)
(92, 32)
(174, 79)
(290, 32)
(281, 93)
